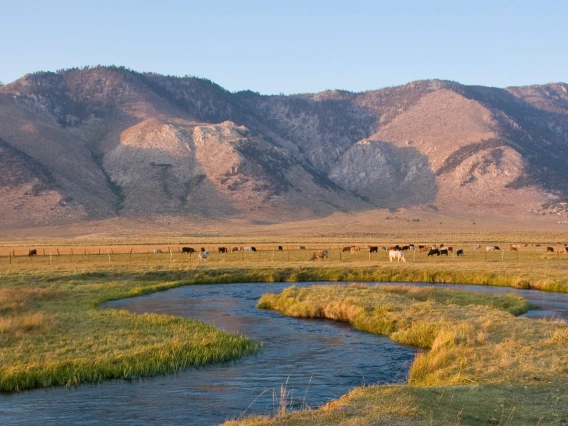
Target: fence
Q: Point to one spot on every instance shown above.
(263, 254)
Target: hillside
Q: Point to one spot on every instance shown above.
(107, 142)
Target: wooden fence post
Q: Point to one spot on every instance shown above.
(57, 252)
(130, 255)
(10, 258)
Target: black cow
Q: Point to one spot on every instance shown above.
(373, 249)
(223, 250)
(496, 247)
(187, 250)
(32, 252)
(404, 248)
(433, 252)
(280, 248)
(459, 252)
(253, 248)
(444, 251)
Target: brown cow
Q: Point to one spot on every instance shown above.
(319, 255)
(550, 249)
(346, 249)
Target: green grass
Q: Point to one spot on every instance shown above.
(479, 363)
(52, 332)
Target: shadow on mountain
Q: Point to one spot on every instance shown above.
(386, 176)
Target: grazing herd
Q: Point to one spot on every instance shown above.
(395, 251)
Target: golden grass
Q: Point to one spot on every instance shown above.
(479, 365)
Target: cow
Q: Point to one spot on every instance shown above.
(421, 246)
(280, 248)
(497, 248)
(396, 254)
(355, 249)
(156, 251)
(319, 255)
(560, 249)
(202, 250)
(223, 250)
(203, 256)
(451, 249)
(412, 247)
(395, 248)
(187, 250)
(302, 247)
(433, 252)
(383, 248)
(550, 249)
(444, 251)
(248, 249)
(253, 248)
(404, 248)
(442, 245)
(32, 252)
(234, 249)
(477, 247)
(346, 249)
(490, 248)
(374, 249)
(459, 252)
(513, 248)
(424, 249)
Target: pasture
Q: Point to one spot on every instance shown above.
(54, 333)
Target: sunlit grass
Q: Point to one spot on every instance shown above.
(480, 363)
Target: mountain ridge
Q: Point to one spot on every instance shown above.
(118, 143)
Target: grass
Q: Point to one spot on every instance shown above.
(52, 332)
(479, 362)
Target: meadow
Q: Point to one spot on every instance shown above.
(53, 331)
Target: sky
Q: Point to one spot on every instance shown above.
(294, 46)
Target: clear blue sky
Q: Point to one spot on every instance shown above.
(294, 46)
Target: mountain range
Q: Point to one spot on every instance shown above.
(102, 142)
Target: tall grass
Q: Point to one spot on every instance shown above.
(477, 356)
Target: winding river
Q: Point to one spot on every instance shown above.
(312, 361)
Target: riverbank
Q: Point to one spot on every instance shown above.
(482, 364)
(53, 332)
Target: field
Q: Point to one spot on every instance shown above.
(52, 331)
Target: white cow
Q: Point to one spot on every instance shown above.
(203, 256)
(396, 254)
(156, 251)
(248, 249)
(490, 248)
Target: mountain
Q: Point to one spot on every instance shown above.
(102, 142)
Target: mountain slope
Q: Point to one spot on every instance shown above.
(102, 142)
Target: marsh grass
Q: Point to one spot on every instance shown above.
(478, 362)
(53, 333)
